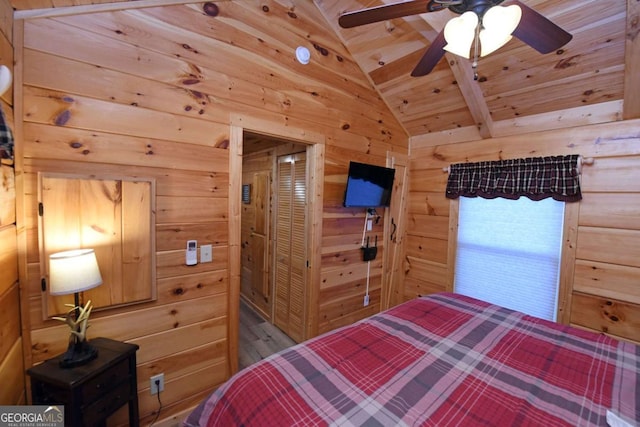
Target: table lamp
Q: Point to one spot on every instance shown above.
(73, 272)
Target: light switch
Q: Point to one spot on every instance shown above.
(206, 253)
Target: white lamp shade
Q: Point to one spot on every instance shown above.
(498, 23)
(459, 34)
(73, 271)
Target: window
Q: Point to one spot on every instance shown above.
(508, 253)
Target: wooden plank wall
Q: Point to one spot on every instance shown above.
(12, 391)
(149, 92)
(604, 292)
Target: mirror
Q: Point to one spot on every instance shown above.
(113, 216)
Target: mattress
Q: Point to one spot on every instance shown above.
(440, 360)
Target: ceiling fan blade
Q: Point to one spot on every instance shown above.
(432, 56)
(539, 32)
(382, 13)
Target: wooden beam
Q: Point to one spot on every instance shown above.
(472, 94)
(632, 62)
(95, 8)
(464, 75)
(573, 117)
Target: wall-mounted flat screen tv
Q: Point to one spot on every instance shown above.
(368, 186)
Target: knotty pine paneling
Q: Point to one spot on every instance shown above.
(154, 320)
(607, 280)
(606, 267)
(7, 196)
(8, 258)
(613, 246)
(10, 320)
(614, 317)
(12, 391)
(611, 210)
(150, 92)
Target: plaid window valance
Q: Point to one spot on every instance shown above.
(536, 178)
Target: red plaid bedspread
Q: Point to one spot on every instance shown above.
(439, 360)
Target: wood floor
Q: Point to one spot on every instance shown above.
(258, 338)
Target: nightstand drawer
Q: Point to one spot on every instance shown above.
(96, 412)
(105, 382)
(47, 394)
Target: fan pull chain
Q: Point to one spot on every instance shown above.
(476, 50)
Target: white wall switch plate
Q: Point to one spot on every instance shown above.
(206, 253)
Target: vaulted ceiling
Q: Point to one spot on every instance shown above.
(517, 86)
(594, 78)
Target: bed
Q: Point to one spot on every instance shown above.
(440, 360)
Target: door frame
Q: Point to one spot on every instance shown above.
(394, 230)
(315, 142)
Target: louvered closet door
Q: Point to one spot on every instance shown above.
(290, 248)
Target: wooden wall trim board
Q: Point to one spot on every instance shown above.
(276, 130)
(235, 209)
(567, 262)
(394, 231)
(316, 163)
(454, 211)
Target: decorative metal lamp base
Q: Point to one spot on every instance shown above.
(77, 354)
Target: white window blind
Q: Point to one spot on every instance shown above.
(508, 253)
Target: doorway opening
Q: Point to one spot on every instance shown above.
(276, 231)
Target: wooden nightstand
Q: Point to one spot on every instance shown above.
(92, 392)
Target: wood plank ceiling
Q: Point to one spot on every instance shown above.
(594, 78)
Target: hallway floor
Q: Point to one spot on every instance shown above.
(258, 338)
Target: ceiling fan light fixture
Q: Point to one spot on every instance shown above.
(459, 34)
(498, 23)
(491, 41)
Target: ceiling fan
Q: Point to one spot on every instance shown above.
(481, 21)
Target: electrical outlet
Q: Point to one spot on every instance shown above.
(157, 383)
(366, 300)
